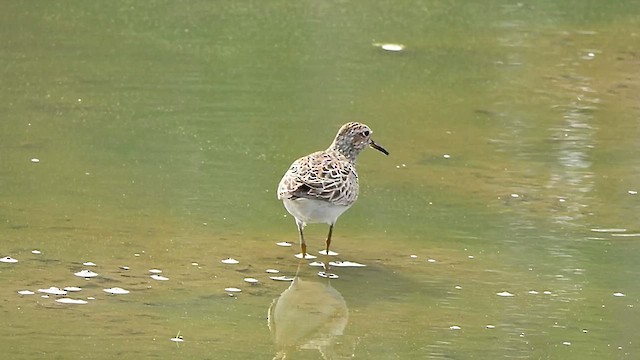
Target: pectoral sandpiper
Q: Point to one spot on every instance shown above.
(321, 186)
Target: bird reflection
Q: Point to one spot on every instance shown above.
(309, 314)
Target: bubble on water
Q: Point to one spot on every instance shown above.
(86, 274)
(505, 294)
(116, 291)
(281, 278)
(8, 260)
(230, 261)
(272, 271)
(53, 291)
(284, 243)
(72, 301)
(26, 292)
(346, 264)
(159, 277)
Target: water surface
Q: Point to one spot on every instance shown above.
(161, 131)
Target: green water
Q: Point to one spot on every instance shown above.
(161, 131)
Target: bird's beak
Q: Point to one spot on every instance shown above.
(379, 148)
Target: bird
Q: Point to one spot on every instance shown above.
(319, 187)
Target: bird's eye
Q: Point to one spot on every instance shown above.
(365, 133)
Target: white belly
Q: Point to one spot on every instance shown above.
(311, 211)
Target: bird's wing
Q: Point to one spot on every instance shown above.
(320, 176)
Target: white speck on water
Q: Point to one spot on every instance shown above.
(90, 298)
(567, 343)
(533, 292)
(44, 296)
(547, 292)
(471, 257)
(232, 289)
(413, 256)
(316, 264)
(159, 277)
(284, 243)
(458, 287)
(125, 267)
(272, 271)
(515, 196)
(177, 339)
(455, 327)
(431, 260)
(155, 271)
(53, 291)
(72, 288)
(331, 253)
(86, 274)
(72, 301)
(504, 294)
(327, 275)
(195, 264)
(116, 291)
(490, 326)
(619, 294)
(251, 280)
(632, 192)
(230, 261)
(35, 160)
(8, 260)
(446, 156)
(36, 252)
(281, 278)
(346, 264)
(136, 254)
(390, 47)
(26, 292)
(89, 263)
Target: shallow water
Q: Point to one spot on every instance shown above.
(161, 132)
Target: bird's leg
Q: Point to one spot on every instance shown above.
(326, 263)
(329, 238)
(303, 245)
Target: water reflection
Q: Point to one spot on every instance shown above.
(309, 314)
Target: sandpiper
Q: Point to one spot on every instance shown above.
(321, 186)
